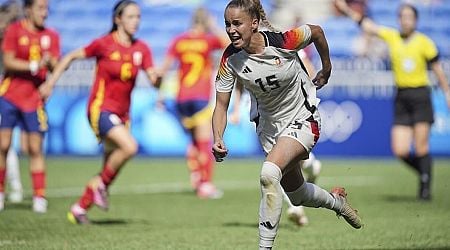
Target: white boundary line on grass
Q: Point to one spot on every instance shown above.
(182, 187)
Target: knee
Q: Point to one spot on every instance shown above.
(130, 149)
(34, 150)
(270, 173)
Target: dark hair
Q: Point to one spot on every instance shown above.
(28, 3)
(412, 7)
(254, 9)
(118, 10)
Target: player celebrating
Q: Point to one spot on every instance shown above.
(268, 66)
(410, 53)
(119, 57)
(193, 50)
(29, 51)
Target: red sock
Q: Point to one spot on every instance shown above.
(2, 179)
(38, 179)
(205, 160)
(86, 199)
(108, 174)
(192, 158)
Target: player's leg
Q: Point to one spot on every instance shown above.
(193, 165)
(8, 114)
(401, 141)
(202, 141)
(296, 214)
(5, 143)
(35, 125)
(311, 167)
(13, 175)
(423, 158)
(37, 169)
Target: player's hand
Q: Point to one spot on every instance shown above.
(219, 150)
(321, 78)
(45, 90)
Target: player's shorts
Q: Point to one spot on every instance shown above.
(31, 122)
(104, 122)
(306, 132)
(413, 105)
(194, 112)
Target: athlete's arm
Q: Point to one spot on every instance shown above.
(11, 63)
(442, 79)
(364, 22)
(219, 122)
(321, 44)
(235, 115)
(46, 88)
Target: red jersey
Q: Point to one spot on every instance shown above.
(195, 70)
(22, 88)
(117, 69)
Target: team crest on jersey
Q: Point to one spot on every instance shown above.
(45, 42)
(24, 41)
(277, 61)
(137, 58)
(115, 56)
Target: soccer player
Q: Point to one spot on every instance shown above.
(29, 51)
(268, 66)
(193, 51)
(410, 53)
(119, 57)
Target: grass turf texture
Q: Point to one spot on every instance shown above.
(152, 207)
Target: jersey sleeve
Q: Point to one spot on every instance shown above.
(387, 34)
(297, 38)
(147, 58)
(55, 49)
(225, 78)
(94, 48)
(9, 39)
(429, 50)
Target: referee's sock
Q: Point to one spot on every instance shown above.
(412, 161)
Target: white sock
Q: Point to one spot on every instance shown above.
(271, 204)
(311, 195)
(13, 172)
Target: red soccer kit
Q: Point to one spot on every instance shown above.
(117, 69)
(195, 69)
(22, 88)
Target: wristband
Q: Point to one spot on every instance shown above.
(34, 67)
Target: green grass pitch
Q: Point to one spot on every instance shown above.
(153, 207)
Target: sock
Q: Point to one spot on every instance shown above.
(206, 160)
(38, 183)
(192, 158)
(411, 161)
(311, 195)
(86, 199)
(13, 173)
(425, 164)
(108, 174)
(2, 179)
(271, 204)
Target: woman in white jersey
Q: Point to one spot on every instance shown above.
(268, 66)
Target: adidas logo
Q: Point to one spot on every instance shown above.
(267, 225)
(246, 70)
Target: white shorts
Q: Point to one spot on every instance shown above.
(306, 132)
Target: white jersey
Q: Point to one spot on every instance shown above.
(277, 80)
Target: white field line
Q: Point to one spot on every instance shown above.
(181, 187)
